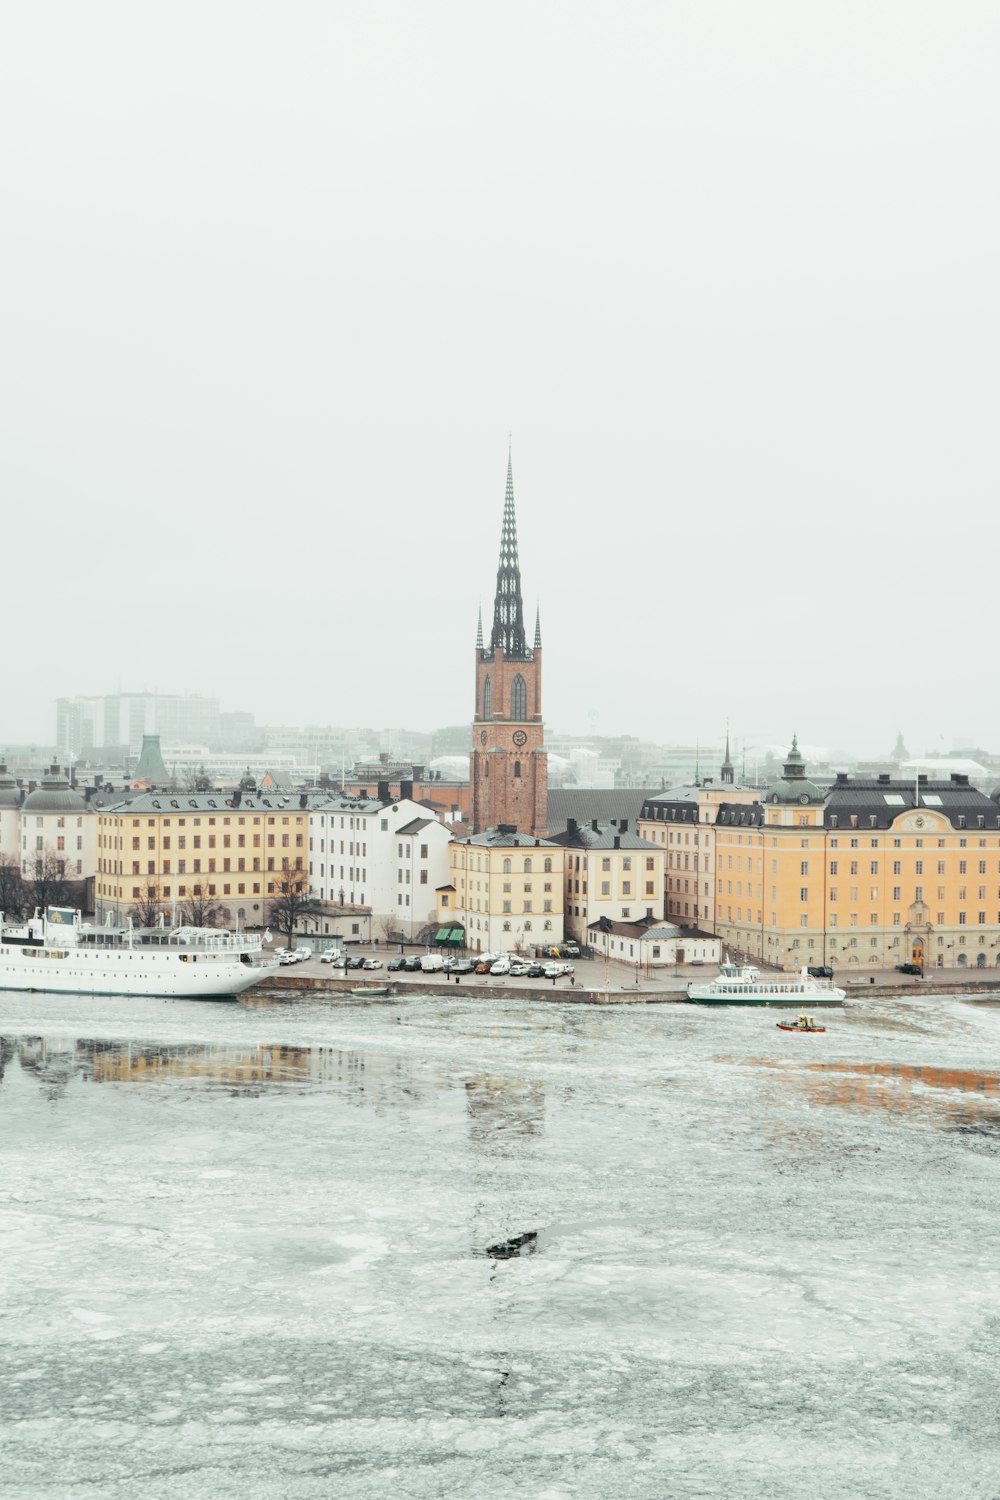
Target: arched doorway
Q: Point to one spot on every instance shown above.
(980, 960)
(963, 959)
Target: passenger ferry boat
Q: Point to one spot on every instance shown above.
(742, 984)
(58, 954)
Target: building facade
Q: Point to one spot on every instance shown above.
(383, 854)
(182, 852)
(611, 873)
(505, 891)
(872, 872)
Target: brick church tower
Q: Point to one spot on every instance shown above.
(508, 765)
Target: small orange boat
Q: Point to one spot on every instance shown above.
(804, 1022)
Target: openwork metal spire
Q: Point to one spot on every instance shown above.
(508, 610)
(538, 628)
(479, 630)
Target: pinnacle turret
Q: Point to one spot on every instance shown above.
(538, 629)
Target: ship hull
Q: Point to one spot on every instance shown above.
(116, 975)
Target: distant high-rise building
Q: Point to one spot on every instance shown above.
(119, 721)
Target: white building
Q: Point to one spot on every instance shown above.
(58, 822)
(10, 817)
(653, 946)
(389, 856)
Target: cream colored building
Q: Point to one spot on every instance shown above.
(506, 891)
(171, 849)
(610, 872)
(56, 822)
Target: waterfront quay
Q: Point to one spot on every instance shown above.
(591, 983)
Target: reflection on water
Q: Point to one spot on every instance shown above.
(54, 1063)
(898, 1088)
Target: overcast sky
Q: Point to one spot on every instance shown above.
(278, 281)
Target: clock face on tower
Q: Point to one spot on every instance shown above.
(483, 736)
(519, 737)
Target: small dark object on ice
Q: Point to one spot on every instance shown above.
(520, 1244)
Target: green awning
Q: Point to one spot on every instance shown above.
(443, 935)
(458, 934)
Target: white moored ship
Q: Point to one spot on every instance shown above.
(56, 953)
(742, 984)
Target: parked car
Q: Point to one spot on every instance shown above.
(331, 956)
(535, 971)
(557, 970)
(519, 968)
(279, 952)
(371, 963)
(482, 967)
(909, 969)
(820, 971)
(431, 963)
(395, 964)
(303, 952)
(287, 958)
(502, 966)
(411, 963)
(355, 962)
(571, 950)
(461, 966)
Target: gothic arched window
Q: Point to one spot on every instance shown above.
(517, 768)
(518, 698)
(488, 698)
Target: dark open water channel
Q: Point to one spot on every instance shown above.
(242, 1251)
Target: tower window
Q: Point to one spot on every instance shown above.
(488, 698)
(517, 768)
(518, 698)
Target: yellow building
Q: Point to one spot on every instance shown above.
(611, 872)
(506, 891)
(873, 872)
(682, 822)
(181, 852)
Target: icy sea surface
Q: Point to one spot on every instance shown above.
(244, 1250)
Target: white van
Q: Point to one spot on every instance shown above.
(431, 963)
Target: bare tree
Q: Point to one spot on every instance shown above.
(202, 910)
(147, 911)
(291, 901)
(51, 882)
(11, 888)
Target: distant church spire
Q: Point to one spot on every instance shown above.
(728, 772)
(508, 609)
(538, 628)
(479, 630)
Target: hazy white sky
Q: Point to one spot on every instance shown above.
(278, 280)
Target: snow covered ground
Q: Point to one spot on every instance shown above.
(243, 1250)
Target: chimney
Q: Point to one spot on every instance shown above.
(883, 778)
(383, 791)
(841, 778)
(623, 825)
(406, 791)
(303, 799)
(922, 779)
(418, 773)
(595, 825)
(571, 826)
(618, 841)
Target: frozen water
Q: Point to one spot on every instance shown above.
(244, 1250)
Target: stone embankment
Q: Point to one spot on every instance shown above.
(667, 991)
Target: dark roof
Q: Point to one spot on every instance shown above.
(606, 804)
(416, 825)
(644, 928)
(876, 804)
(605, 836)
(175, 801)
(492, 838)
(740, 814)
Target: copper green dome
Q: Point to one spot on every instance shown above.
(794, 785)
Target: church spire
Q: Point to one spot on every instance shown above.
(479, 630)
(508, 610)
(538, 628)
(728, 770)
